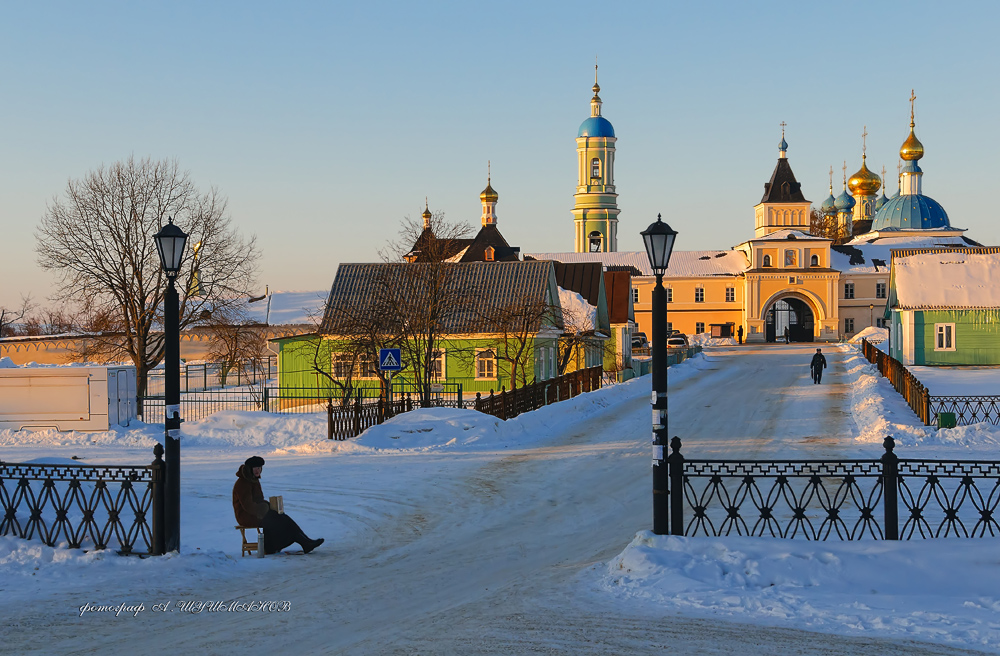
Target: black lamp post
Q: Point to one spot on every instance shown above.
(659, 240)
(170, 244)
(871, 314)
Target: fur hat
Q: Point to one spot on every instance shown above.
(253, 461)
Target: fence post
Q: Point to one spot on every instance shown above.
(927, 407)
(503, 403)
(158, 547)
(675, 463)
(266, 396)
(329, 419)
(460, 396)
(479, 400)
(380, 411)
(357, 416)
(890, 489)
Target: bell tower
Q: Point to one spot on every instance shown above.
(595, 208)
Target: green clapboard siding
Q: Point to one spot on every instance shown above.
(977, 337)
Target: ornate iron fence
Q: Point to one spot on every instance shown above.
(967, 409)
(823, 499)
(85, 506)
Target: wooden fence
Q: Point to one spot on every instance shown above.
(912, 390)
(507, 405)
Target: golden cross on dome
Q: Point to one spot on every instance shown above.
(864, 141)
(913, 97)
(845, 174)
(487, 173)
(595, 69)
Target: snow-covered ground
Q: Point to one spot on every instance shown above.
(959, 381)
(453, 532)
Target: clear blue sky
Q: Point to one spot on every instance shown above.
(327, 123)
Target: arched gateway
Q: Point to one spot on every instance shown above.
(792, 313)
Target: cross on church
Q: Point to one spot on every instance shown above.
(913, 97)
(864, 141)
(783, 124)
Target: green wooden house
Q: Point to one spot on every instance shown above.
(494, 325)
(944, 306)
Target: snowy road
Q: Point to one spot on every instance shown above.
(474, 553)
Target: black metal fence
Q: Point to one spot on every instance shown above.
(967, 409)
(201, 404)
(85, 506)
(216, 375)
(823, 499)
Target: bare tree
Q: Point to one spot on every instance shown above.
(579, 335)
(517, 326)
(98, 238)
(427, 299)
(235, 342)
(12, 315)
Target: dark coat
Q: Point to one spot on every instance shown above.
(249, 504)
(818, 362)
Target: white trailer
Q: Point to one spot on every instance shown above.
(67, 398)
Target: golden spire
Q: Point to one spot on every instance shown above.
(912, 149)
(864, 182)
(831, 180)
(488, 195)
(426, 215)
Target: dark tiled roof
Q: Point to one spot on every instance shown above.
(489, 236)
(430, 248)
(477, 290)
(783, 188)
(584, 278)
(618, 290)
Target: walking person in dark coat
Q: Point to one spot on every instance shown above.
(739, 334)
(252, 509)
(786, 335)
(817, 365)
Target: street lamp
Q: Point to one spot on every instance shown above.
(871, 314)
(659, 240)
(170, 242)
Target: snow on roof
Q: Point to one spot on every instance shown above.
(789, 235)
(288, 308)
(859, 256)
(947, 280)
(683, 264)
(578, 315)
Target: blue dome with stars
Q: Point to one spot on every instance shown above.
(596, 126)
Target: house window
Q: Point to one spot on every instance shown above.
(814, 261)
(353, 366)
(880, 322)
(635, 294)
(670, 294)
(490, 253)
(699, 327)
(944, 337)
(699, 294)
(848, 325)
(730, 294)
(880, 290)
(789, 258)
(438, 369)
(486, 364)
(767, 260)
(595, 168)
(848, 290)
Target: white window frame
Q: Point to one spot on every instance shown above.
(635, 294)
(699, 327)
(493, 361)
(699, 294)
(670, 294)
(880, 289)
(440, 355)
(595, 168)
(944, 337)
(359, 366)
(848, 286)
(730, 294)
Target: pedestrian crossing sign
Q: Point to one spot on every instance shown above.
(389, 359)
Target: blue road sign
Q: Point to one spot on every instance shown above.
(389, 360)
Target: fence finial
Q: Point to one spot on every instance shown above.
(158, 451)
(889, 443)
(675, 444)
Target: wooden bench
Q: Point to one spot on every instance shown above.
(248, 547)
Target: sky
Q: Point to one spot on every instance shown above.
(327, 124)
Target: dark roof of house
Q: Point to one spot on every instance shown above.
(584, 278)
(429, 248)
(474, 292)
(618, 291)
(783, 188)
(489, 236)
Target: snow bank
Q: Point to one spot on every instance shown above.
(7, 363)
(873, 334)
(895, 589)
(579, 315)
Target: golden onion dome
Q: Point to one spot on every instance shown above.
(427, 213)
(864, 182)
(488, 195)
(912, 149)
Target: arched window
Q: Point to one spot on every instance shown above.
(596, 241)
(595, 168)
(814, 260)
(767, 260)
(490, 253)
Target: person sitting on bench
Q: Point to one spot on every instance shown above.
(253, 510)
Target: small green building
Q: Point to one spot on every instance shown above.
(944, 306)
(490, 325)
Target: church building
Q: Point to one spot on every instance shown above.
(793, 277)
